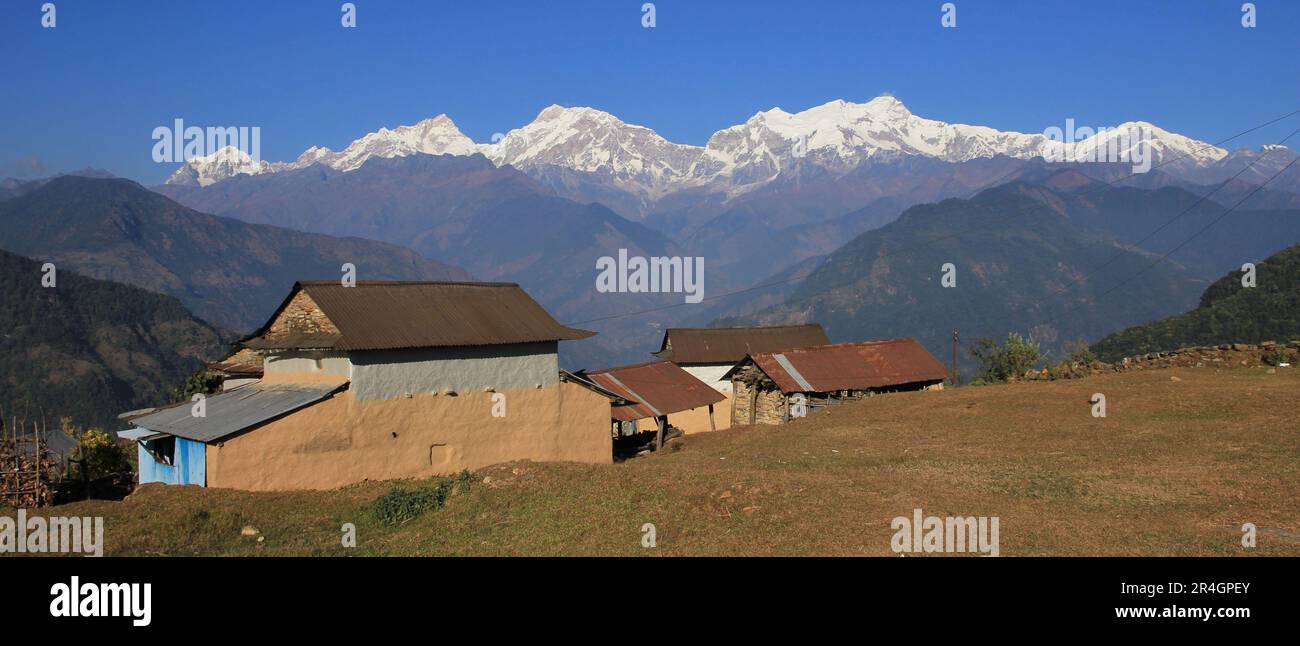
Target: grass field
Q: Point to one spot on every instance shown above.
(1183, 458)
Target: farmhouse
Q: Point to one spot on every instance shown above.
(773, 387)
(658, 394)
(384, 380)
(708, 353)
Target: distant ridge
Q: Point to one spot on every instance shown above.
(1228, 313)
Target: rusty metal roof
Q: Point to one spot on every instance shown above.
(656, 388)
(613, 397)
(848, 366)
(383, 315)
(244, 362)
(295, 341)
(685, 345)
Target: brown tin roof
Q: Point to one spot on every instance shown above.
(848, 366)
(655, 389)
(731, 344)
(243, 362)
(383, 315)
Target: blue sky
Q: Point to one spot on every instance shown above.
(91, 91)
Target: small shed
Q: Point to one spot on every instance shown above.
(709, 352)
(771, 387)
(659, 391)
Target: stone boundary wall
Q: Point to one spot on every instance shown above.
(1228, 355)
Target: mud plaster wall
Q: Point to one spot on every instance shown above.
(695, 420)
(343, 440)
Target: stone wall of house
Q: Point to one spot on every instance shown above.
(301, 316)
(740, 403)
(769, 404)
(1234, 355)
(771, 407)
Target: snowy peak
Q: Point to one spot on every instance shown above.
(566, 147)
(210, 169)
(1125, 138)
(436, 136)
(588, 140)
(840, 135)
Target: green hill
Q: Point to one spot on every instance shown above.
(228, 272)
(90, 349)
(1012, 257)
(1228, 313)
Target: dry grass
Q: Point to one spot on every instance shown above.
(1174, 469)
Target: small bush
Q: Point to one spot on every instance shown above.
(1274, 358)
(400, 505)
(1080, 352)
(202, 382)
(463, 481)
(1009, 361)
(96, 453)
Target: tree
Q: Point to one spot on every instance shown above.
(1008, 361)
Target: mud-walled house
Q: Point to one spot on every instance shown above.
(384, 380)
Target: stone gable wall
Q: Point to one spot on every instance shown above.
(302, 316)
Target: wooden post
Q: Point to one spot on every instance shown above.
(712, 426)
(659, 435)
(954, 357)
(753, 403)
(733, 404)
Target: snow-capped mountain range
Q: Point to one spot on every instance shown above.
(834, 138)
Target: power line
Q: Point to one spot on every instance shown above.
(1160, 228)
(1184, 242)
(885, 254)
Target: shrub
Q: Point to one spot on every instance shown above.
(1080, 352)
(97, 454)
(400, 505)
(202, 382)
(463, 480)
(1002, 362)
(1274, 358)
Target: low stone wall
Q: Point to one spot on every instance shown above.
(1228, 355)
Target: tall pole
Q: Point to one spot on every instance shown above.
(954, 357)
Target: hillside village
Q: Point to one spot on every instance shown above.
(385, 380)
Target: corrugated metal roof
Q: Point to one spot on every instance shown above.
(232, 411)
(137, 434)
(384, 315)
(731, 344)
(848, 366)
(569, 377)
(657, 388)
